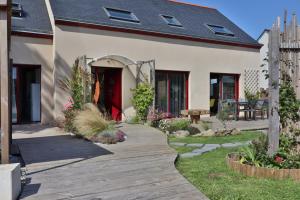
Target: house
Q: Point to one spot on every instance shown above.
(199, 55)
(264, 40)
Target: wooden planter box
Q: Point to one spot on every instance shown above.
(232, 161)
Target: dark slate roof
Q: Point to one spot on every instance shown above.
(193, 18)
(36, 18)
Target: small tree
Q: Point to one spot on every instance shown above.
(142, 99)
(75, 85)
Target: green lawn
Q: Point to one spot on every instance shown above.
(210, 174)
(245, 136)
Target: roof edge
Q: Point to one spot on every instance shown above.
(151, 33)
(264, 31)
(32, 34)
(191, 4)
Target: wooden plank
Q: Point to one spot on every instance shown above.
(274, 56)
(5, 95)
(142, 167)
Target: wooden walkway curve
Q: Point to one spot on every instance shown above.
(60, 166)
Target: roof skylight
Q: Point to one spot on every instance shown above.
(172, 21)
(17, 10)
(220, 30)
(121, 15)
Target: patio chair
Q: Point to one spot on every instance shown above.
(261, 107)
(229, 106)
(249, 109)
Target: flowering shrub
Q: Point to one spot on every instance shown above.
(70, 114)
(154, 116)
(286, 158)
(173, 125)
(109, 136)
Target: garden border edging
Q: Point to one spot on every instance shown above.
(261, 172)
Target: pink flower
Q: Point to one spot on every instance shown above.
(69, 104)
(278, 159)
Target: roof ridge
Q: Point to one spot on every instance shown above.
(191, 4)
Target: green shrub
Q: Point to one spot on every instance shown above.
(70, 115)
(288, 105)
(133, 120)
(142, 99)
(193, 130)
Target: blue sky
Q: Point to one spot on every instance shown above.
(253, 16)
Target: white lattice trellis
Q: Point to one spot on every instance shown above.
(251, 83)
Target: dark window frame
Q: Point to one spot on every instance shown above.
(176, 22)
(133, 17)
(225, 32)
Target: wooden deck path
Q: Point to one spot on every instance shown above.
(63, 167)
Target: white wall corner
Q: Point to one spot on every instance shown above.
(10, 181)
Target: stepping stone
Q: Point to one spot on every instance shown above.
(208, 146)
(180, 144)
(189, 155)
(230, 145)
(195, 145)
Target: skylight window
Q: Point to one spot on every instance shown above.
(121, 15)
(220, 30)
(172, 21)
(17, 10)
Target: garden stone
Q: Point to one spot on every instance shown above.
(235, 131)
(197, 135)
(208, 133)
(189, 155)
(180, 144)
(181, 134)
(229, 145)
(195, 145)
(199, 127)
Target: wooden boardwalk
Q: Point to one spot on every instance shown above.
(64, 167)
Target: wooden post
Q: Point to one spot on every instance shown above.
(274, 62)
(5, 83)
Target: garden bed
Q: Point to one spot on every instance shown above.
(233, 162)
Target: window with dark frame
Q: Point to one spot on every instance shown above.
(171, 91)
(220, 30)
(172, 21)
(17, 10)
(121, 15)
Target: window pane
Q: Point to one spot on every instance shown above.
(177, 93)
(220, 30)
(171, 20)
(122, 15)
(170, 92)
(161, 91)
(228, 87)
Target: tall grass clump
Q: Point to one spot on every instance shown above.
(90, 121)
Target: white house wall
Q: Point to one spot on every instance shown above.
(200, 59)
(37, 51)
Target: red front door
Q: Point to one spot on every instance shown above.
(113, 92)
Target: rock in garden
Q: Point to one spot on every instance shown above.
(208, 133)
(235, 131)
(197, 135)
(181, 134)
